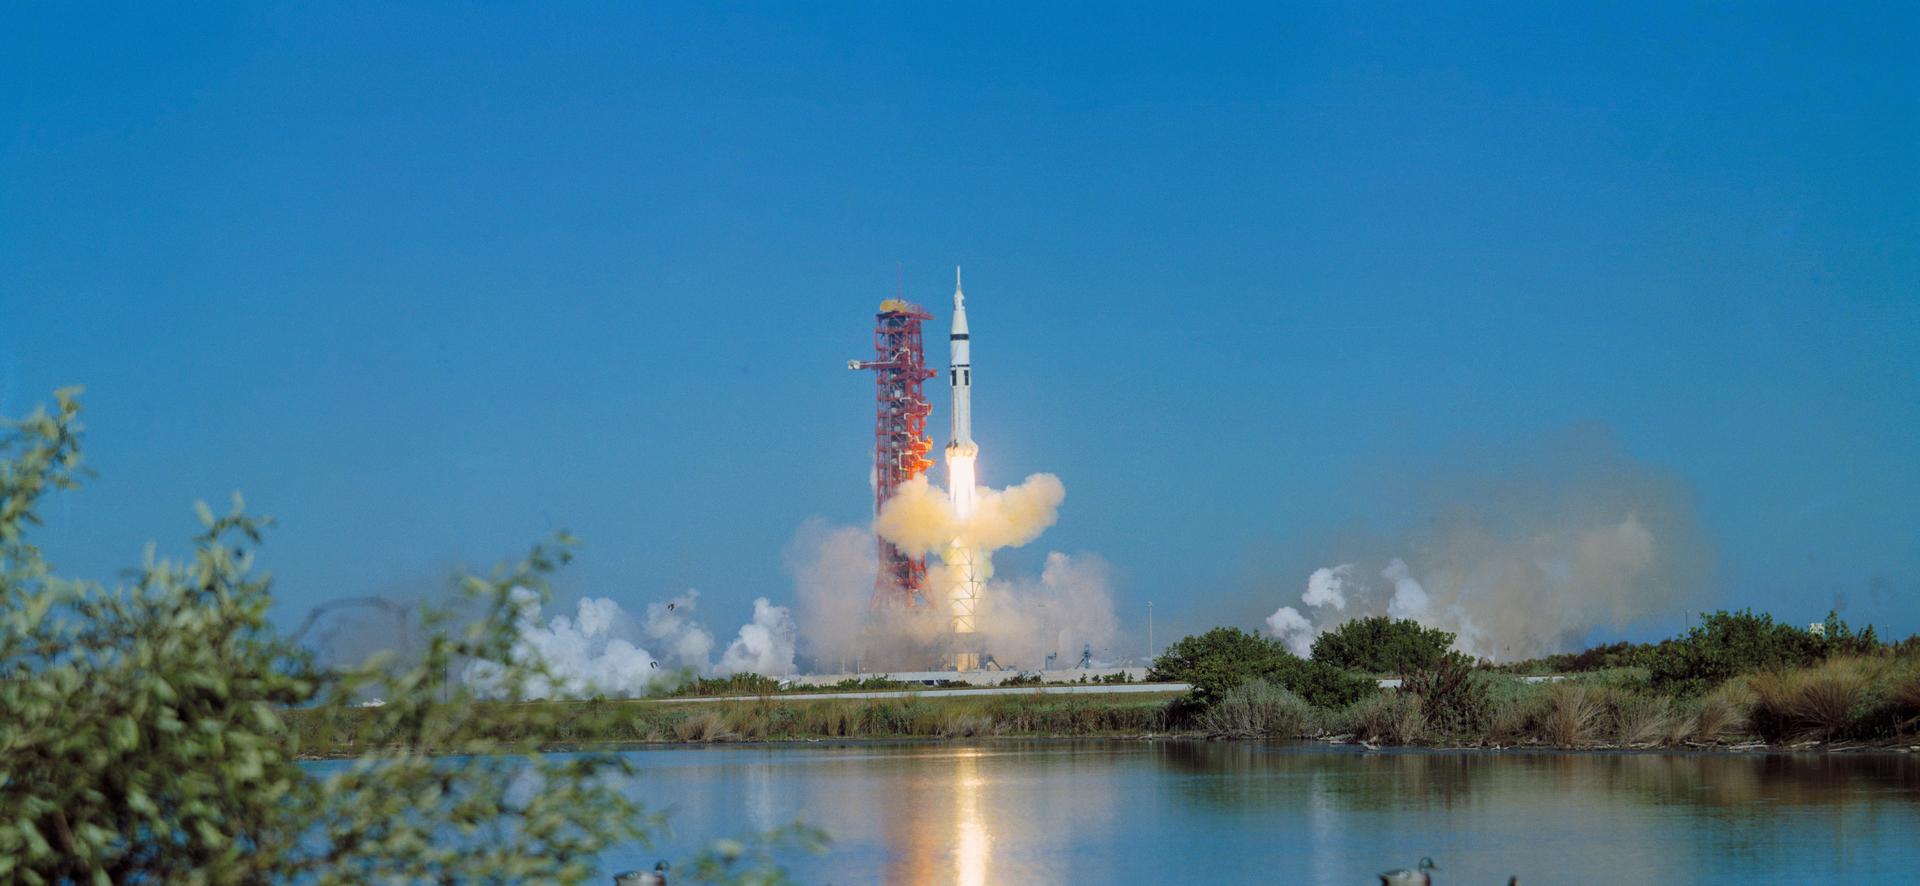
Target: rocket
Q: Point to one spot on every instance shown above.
(965, 563)
(960, 374)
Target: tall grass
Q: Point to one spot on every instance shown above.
(1573, 713)
(1258, 709)
(1647, 721)
(1388, 717)
(1905, 696)
(329, 731)
(1840, 698)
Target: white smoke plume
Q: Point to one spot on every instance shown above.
(603, 650)
(670, 628)
(1293, 629)
(1070, 608)
(1532, 560)
(1327, 587)
(833, 570)
(1022, 621)
(919, 519)
(765, 645)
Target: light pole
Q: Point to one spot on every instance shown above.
(1149, 633)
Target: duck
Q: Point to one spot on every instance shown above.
(1416, 877)
(655, 877)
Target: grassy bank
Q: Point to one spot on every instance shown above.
(1841, 702)
(340, 731)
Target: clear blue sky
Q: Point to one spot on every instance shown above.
(428, 282)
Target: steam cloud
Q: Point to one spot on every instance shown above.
(1526, 563)
(603, 649)
(920, 520)
(1021, 620)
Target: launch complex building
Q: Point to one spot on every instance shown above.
(902, 451)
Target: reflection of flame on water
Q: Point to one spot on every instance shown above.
(972, 843)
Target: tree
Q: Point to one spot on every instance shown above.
(1382, 645)
(1223, 658)
(143, 740)
(1725, 644)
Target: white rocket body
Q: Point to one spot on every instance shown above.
(967, 565)
(961, 374)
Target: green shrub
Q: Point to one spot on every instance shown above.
(1382, 645)
(147, 734)
(735, 684)
(1454, 699)
(1220, 659)
(1385, 717)
(1605, 656)
(1727, 644)
(1518, 709)
(1258, 709)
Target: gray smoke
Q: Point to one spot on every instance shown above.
(1528, 559)
(601, 649)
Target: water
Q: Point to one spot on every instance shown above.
(1195, 812)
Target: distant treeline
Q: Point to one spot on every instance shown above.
(1736, 677)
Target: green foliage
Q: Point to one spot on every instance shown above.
(1726, 644)
(868, 684)
(145, 737)
(1388, 717)
(1220, 659)
(1454, 698)
(1602, 657)
(734, 684)
(1258, 709)
(1382, 645)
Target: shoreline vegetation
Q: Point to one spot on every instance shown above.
(335, 731)
(1738, 682)
(147, 735)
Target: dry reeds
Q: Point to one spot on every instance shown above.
(1723, 711)
(703, 726)
(1834, 699)
(1573, 712)
(1644, 721)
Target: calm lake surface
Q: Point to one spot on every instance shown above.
(1064, 812)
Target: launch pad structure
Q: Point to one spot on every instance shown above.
(900, 441)
(901, 451)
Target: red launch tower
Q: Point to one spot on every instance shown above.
(900, 441)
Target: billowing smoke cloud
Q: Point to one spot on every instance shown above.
(603, 650)
(1528, 562)
(919, 518)
(670, 628)
(1070, 608)
(833, 570)
(765, 645)
(1022, 621)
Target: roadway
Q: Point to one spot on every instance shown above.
(1069, 689)
(1073, 689)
